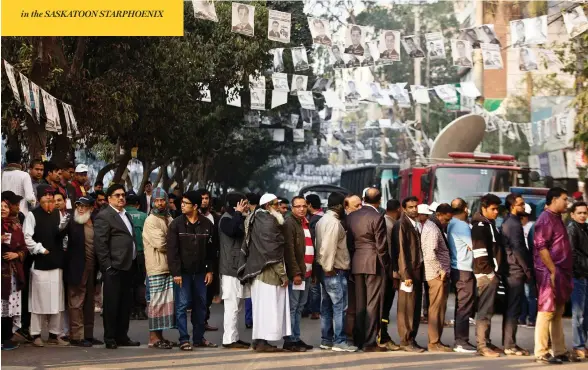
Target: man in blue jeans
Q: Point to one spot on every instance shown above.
(578, 234)
(333, 258)
(189, 252)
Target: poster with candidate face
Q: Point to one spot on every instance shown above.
(336, 56)
(355, 40)
(389, 47)
(412, 46)
(461, 51)
(278, 26)
(258, 99)
(204, 9)
(278, 59)
(486, 34)
(280, 81)
(491, 56)
(527, 60)
(300, 59)
(435, 45)
(320, 31)
(299, 83)
(243, 19)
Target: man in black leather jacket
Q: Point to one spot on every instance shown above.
(518, 260)
(578, 234)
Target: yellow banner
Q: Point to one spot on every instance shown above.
(92, 18)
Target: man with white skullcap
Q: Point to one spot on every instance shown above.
(262, 265)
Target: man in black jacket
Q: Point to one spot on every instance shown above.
(114, 242)
(189, 246)
(578, 234)
(315, 213)
(487, 249)
(517, 273)
(231, 235)
(80, 262)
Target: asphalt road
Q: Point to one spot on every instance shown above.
(142, 357)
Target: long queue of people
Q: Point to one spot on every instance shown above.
(272, 254)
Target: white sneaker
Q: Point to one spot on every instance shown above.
(326, 346)
(344, 347)
(472, 322)
(468, 348)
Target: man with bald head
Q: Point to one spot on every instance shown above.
(366, 234)
(352, 203)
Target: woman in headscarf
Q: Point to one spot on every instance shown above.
(159, 280)
(14, 251)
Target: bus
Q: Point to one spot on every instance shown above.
(382, 176)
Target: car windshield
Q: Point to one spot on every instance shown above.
(454, 182)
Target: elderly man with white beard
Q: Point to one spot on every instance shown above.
(80, 262)
(263, 265)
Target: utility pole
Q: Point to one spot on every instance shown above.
(417, 68)
(478, 69)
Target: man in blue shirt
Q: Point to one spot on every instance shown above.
(462, 276)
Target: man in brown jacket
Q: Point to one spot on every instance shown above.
(370, 264)
(299, 256)
(410, 269)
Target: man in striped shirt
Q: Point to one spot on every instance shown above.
(299, 257)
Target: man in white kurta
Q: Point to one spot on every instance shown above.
(43, 237)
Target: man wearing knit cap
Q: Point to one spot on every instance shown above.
(189, 255)
(160, 283)
(263, 265)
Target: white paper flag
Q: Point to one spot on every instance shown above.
(37, 99)
(72, 128)
(306, 100)
(204, 9)
(446, 93)
(258, 99)
(470, 90)
(575, 21)
(53, 124)
(298, 135)
(278, 134)
(420, 94)
(279, 98)
(233, 96)
(332, 99)
(10, 73)
(26, 92)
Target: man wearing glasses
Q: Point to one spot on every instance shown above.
(519, 272)
(299, 256)
(114, 242)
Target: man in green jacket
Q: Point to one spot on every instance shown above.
(139, 272)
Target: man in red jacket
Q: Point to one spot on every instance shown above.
(80, 178)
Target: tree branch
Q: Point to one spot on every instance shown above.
(78, 60)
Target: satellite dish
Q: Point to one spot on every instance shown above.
(462, 135)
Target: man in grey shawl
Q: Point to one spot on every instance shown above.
(262, 265)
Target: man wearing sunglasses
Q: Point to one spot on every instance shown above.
(114, 242)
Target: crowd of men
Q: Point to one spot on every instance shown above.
(163, 256)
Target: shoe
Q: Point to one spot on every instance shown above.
(293, 347)
(424, 320)
(464, 348)
(38, 342)
(95, 342)
(9, 345)
(80, 343)
(344, 347)
(390, 345)
(210, 328)
(531, 325)
(236, 345)
(580, 352)
(449, 324)
(97, 309)
(65, 338)
(375, 348)
(568, 357)
(327, 346)
(488, 352)
(23, 335)
(495, 348)
(141, 315)
(472, 322)
(522, 323)
(127, 343)
(439, 347)
(412, 347)
(205, 343)
(248, 326)
(111, 344)
(264, 346)
(315, 316)
(57, 342)
(302, 344)
(548, 359)
(516, 351)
